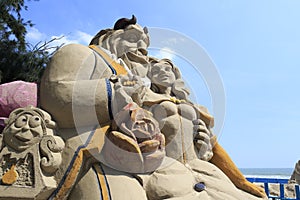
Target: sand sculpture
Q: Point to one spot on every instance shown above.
(30, 155)
(295, 177)
(128, 126)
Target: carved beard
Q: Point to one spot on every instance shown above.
(137, 62)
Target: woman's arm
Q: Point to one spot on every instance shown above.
(223, 161)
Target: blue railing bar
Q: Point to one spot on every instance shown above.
(281, 182)
(281, 190)
(276, 197)
(297, 191)
(267, 189)
(268, 180)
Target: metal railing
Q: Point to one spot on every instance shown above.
(281, 182)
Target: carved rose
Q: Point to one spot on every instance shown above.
(135, 143)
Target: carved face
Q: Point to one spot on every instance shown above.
(24, 132)
(131, 39)
(162, 74)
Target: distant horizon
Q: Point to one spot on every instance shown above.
(280, 173)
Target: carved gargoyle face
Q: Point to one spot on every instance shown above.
(129, 40)
(136, 144)
(24, 132)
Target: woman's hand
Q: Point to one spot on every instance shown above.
(202, 140)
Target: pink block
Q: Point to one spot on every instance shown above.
(15, 95)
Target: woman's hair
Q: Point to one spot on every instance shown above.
(178, 88)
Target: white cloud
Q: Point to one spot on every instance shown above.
(34, 35)
(84, 38)
(77, 37)
(165, 53)
(61, 40)
(171, 41)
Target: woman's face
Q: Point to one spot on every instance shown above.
(162, 74)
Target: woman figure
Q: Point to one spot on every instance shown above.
(187, 127)
(181, 121)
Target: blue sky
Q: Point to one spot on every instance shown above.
(254, 45)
